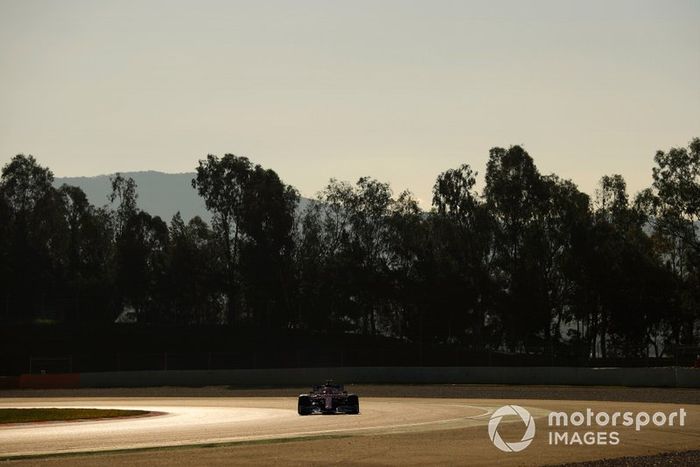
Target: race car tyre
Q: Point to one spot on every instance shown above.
(305, 407)
(354, 403)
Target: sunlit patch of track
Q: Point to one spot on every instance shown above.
(194, 421)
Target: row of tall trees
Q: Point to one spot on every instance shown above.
(528, 262)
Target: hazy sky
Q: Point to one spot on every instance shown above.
(399, 90)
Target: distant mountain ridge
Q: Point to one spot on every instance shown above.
(159, 194)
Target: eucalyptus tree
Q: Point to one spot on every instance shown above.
(629, 290)
(89, 262)
(672, 205)
(540, 223)
(221, 182)
(253, 215)
(407, 295)
(515, 195)
(267, 223)
(36, 240)
(124, 195)
(6, 270)
(193, 285)
(464, 251)
(556, 248)
(350, 224)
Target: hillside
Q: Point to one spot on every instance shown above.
(159, 194)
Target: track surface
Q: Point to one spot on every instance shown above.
(195, 421)
(390, 430)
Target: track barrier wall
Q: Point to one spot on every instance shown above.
(633, 377)
(48, 381)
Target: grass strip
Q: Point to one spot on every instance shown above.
(52, 414)
(222, 444)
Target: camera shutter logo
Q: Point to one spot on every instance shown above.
(527, 420)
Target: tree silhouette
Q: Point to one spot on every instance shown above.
(530, 266)
(222, 182)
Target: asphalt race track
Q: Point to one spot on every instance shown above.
(195, 421)
(221, 426)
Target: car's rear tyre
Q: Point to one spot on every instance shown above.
(354, 404)
(304, 406)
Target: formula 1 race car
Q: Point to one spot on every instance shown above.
(328, 398)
